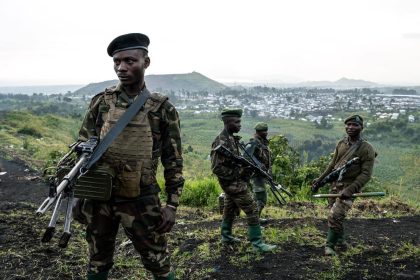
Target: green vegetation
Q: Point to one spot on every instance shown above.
(42, 139)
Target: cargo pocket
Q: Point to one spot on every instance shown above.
(128, 182)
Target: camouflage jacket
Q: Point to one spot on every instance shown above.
(165, 126)
(258, 148)
(228, 172)
(358, 174)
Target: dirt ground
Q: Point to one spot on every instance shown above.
(390, 246)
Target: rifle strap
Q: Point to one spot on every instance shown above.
(118, 128)
(349, 154)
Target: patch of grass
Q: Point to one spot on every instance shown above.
(302, 235)
(406, 250)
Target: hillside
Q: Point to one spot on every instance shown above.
(170, 82)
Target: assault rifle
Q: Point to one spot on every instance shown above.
(63, 188)
(335, 175)
(275, 188)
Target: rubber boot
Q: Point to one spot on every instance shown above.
(171, 276)
(341, 241)
(255, 237)
(226, 231)
(98, 276)
(332, 238)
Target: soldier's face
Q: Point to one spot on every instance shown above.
(129, 66)
(262, 133)
(233, 124)
(353, 128)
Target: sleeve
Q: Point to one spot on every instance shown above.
(89, 124)
(219, 164)
(366, 169)
(171, 156)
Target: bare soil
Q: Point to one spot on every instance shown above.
(382, 254)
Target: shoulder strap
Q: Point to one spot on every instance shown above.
(349, 154)
(117, 128)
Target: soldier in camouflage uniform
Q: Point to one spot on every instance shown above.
(258, 149)
(133, 159)
(234, 181)
(353, 180)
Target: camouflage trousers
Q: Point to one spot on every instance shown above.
(260, 192)
(139, 218)
(338, 213)
(243, 201)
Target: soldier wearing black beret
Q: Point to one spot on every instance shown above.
(352, 181)
(234, 181)
(132, 158)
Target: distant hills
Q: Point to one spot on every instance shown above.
(195, 82)
(342, 83)
(190, 81)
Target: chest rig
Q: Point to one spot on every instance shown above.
(130, 154)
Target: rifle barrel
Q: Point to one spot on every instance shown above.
(367, 194)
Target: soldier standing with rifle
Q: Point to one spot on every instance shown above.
(132, 159)
(351, 180)
(234, 180)
(259, 150)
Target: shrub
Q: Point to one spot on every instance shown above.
(31, 131)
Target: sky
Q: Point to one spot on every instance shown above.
(47, 42)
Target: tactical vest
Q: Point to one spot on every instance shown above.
(130, 155)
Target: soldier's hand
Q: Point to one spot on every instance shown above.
(346, 194)
(168, 219)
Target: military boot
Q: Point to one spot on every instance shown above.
(171, 276)
(332, 237)
(226, 231)
(98, 276)
(341, 242)
(255, 237)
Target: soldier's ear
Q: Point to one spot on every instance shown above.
(146, 61)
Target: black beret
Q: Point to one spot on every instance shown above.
(355, 118)
(231, 113)
(128, 42)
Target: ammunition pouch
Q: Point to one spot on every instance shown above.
(127, 183)
(95, 184)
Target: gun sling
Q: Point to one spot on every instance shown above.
(96, 182)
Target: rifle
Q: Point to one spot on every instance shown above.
(335, 175)
(275, 188)
(63, 188)
(367, 194)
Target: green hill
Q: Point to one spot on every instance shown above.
(171, 82)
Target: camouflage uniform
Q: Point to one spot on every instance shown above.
(258, 148)
(353, 180)
(138, 210)
(233, 180)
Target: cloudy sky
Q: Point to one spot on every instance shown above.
(64, 42)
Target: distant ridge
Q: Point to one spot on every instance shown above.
(190, 81)
(343, 83)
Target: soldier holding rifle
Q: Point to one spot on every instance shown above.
(234, 180)
(350, 180)
(132, 159)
